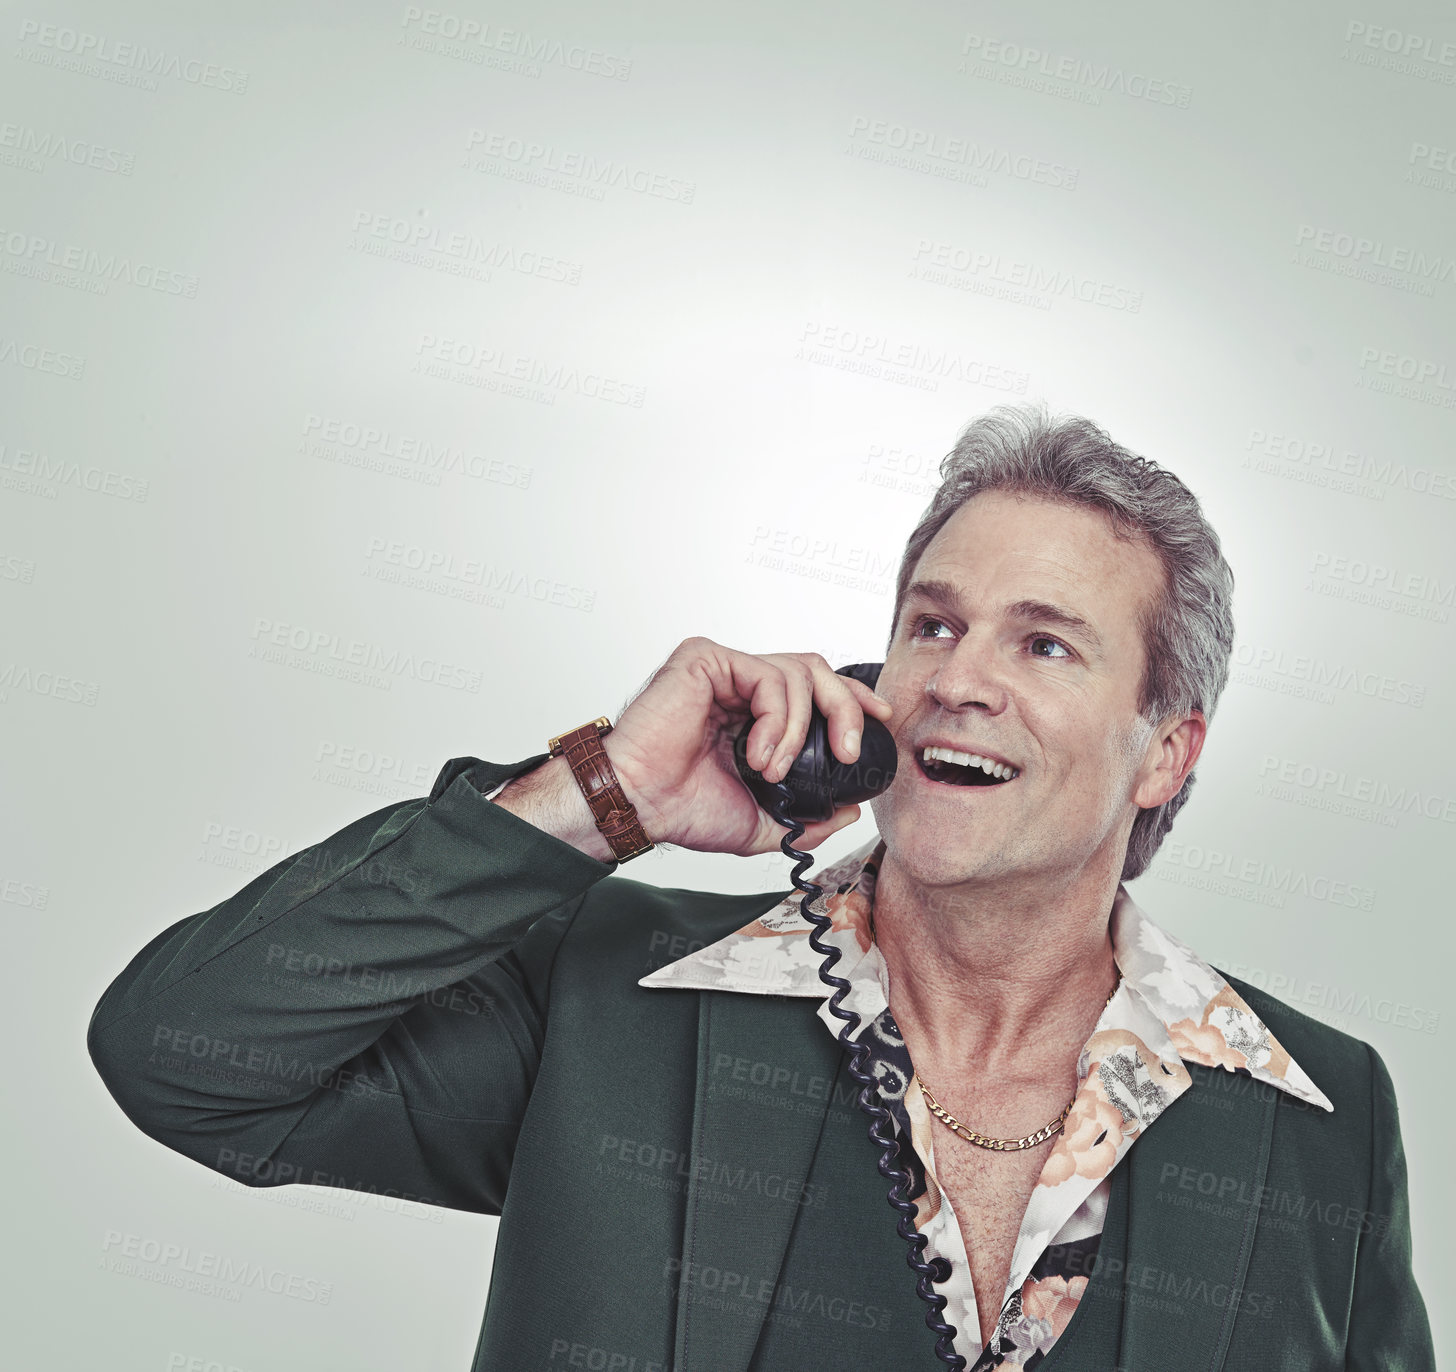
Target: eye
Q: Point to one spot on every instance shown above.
(1061, 649)
(922, 622)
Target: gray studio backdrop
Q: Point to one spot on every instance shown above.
(383, 384)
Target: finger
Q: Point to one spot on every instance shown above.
(798, 680)
(871, 699)
(773, 704)
(782, 704)
(758, 685)
(816, 833)
(842, 700)
(841, 707)
(770, 836)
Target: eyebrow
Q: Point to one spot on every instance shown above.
(1041, 611)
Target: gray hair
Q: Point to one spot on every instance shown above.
(1188, 631)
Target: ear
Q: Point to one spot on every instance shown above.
(1172, 751)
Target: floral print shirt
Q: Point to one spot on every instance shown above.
(1169, 1009)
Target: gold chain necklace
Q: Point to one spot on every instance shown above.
(1003, 1145)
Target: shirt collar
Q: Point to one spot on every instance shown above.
(1182, 1001)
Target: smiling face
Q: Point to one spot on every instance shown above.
(1019, 642)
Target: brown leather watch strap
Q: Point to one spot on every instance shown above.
(615, 815)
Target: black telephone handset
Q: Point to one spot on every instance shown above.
(815, 784)
(818, 781)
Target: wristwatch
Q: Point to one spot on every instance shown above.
(615, 815)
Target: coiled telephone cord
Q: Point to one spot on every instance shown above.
(881, 1125)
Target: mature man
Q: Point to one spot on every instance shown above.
(1118, 1156)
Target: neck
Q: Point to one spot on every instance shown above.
(1011, 978)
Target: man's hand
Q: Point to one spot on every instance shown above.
(672, 751)
(672, 748)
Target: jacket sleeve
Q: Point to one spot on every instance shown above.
(366, 1014)
(1389, 1329)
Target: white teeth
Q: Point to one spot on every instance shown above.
(999, 770)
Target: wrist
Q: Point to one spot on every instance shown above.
(549, 797)
(635, 786)
(591, 767)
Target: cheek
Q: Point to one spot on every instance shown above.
(1090, 764)
(902, 693)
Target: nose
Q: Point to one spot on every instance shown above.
(970, 678)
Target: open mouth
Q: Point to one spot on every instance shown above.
(964, 769)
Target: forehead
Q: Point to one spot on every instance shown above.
(1001, 548)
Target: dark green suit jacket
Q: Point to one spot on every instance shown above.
(441, 1001)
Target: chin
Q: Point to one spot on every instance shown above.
(940, 859)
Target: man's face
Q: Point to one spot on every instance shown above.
(1026, 650)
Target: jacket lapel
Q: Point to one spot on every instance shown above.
(1193, 1190)
(758, 1111)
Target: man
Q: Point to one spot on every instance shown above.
(1117, 1156)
